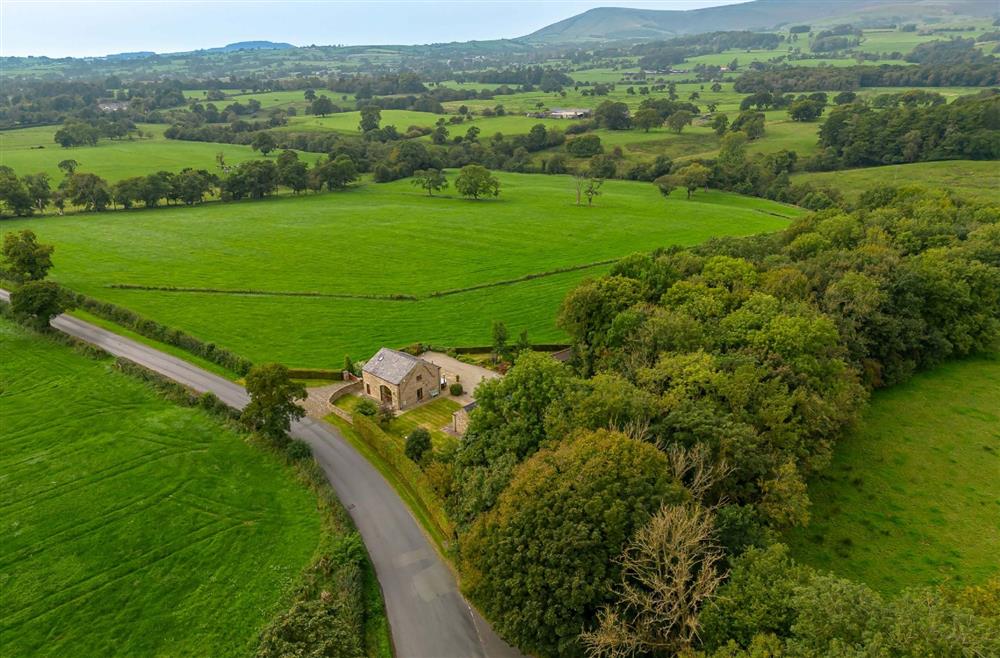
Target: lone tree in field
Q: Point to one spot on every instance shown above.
(272, 405)
(666, 184)
(678, 120)
(475, 181)
(322, 106)
(592, 189)
(68, 167)
(693, 176)
(24, 258)
(432, 180)
(264, 142)
(37, 302)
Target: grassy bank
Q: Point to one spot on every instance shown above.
(912, 498)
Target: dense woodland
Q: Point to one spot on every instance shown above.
(637, 495)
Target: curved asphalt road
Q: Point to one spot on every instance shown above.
(428, 616)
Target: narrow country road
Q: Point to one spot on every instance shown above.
(428, 616)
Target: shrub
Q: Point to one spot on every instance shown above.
(456, 389)
(385, 415)
(418, 444)
(297, 450)
(366, 408)
(585, 146)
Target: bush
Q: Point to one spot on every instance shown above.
(366, 407)
(385, 415)
(418, 444)
(456, 389)
(326, 619)
(297, 450)
(585, 146)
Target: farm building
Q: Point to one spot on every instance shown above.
(112, 106)
(400, 380)
(568, 113)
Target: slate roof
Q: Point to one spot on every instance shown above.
(390, 365)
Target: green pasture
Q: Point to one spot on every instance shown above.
(132, 526)
(372, 242)
(347, 122)
(913, 496)
(32, 150)
(974, 180)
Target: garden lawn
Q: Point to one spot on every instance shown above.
(32, 150)
(912, 497)
(973, 180)
(433, 416)
(132, 526)
(520, 254)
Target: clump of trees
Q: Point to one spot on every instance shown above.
(614, 496)
(858, 135)
(253, 179)
(34, 301)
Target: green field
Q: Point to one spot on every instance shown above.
(113, 159)
(913, 497)
(378, 240)
(974, 180)
(133, 526)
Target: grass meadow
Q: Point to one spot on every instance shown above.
(974, 180)
(913, 496)
(32, 150)
(133, 526)
(520, 254)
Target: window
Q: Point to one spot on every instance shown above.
(368, 389)
(420, 394)
(420, 378)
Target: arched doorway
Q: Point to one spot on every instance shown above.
(385, 394)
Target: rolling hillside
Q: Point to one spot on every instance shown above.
(612, 23)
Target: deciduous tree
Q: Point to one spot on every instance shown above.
(475, 181)
(541, 563)
(24, 258)
(432, 180)
(272, 405)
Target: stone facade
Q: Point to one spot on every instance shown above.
(405, 383)
(460, 419)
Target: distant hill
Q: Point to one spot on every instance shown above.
(617, 23)
(139, 54)
(249, 45)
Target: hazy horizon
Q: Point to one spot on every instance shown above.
(84, 28)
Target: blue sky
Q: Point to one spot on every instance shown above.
(86, 27)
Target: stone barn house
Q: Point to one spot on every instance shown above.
(400, 380)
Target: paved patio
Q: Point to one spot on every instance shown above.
(465, 373)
